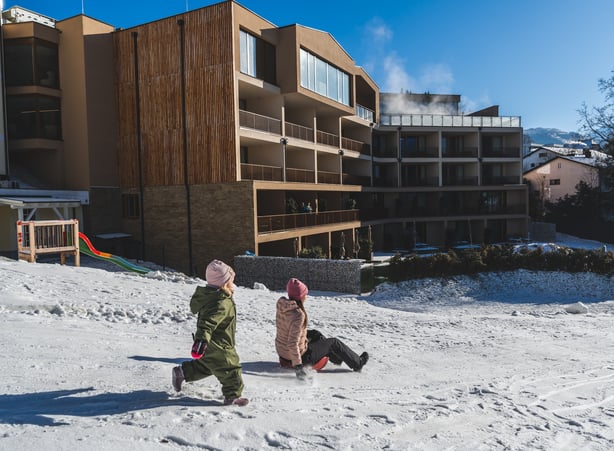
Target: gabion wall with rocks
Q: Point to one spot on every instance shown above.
(342, 276)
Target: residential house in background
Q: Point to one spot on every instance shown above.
(541, 154)
(560, 171)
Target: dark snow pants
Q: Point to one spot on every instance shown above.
(221, 363)
(334, 349)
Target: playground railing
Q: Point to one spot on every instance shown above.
(48, 237)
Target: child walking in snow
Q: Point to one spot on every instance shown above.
(297, 346)
(213, 350)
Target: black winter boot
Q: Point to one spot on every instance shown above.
(364, 358)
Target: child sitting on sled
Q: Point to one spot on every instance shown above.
(297, 346)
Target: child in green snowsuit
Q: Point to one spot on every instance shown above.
(213, 350)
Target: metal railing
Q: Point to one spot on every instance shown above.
(461, 153)
(501, 180)
(422, 181)
(327, 138)
(459, 181)
(300, 175)
(440, 120)
(260, 172)
(356, 146)
(426, 152)
(259, 122)
(504, 152)
(299, 132)
(332, 178)
(276, 223)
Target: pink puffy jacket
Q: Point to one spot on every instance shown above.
(291, 338)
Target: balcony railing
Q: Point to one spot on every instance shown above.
(332, 178)
(364, 113)
(461, 153)
(500, 180)
(385, 152)
(505, 152)
(299, 132)
(356, 146)
(438, 120)
(426, 152)
(260, 172)
(328, 139)
(459, 181)
(300, 175)
(276, 223)
(440, 212)
(349, 179)
(259, 122)
(422, 181)
(384, 182)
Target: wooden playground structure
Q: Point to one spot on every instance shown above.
(48, 237)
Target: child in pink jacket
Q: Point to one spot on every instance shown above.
(297, 346)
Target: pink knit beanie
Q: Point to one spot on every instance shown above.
(297, 290)
(218, 273)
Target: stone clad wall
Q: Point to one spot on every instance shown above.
(342, 276)
(543, 231)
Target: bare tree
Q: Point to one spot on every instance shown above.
(598, 121)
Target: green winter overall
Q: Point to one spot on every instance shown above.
(216, 324)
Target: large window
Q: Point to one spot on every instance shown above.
(33, 116)
(319, 76)
(257, 57)
(31, 62)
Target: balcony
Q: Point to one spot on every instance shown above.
(464, 152)
(328, 139)
(299, 132)
(259, 122)
(460, 181)
(434, 211)
(384, 182)
(500, 180)
(426, 152)
(504, 152)
(260, 172)
(385, 152)
(422, 181)
(278, 223)
(365, 113)
(439, 120)
(300, 175)
(332, 178)
(356, 146)
(349, 179)
(275, 174)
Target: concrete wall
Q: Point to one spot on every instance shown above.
(341, 276)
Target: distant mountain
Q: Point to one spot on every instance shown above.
(551, 136)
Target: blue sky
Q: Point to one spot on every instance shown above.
(538, 59)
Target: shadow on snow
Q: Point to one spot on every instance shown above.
(37, 408)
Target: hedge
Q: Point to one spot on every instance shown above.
(500, 258)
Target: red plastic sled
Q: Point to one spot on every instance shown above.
(316, 366)
(320, 363)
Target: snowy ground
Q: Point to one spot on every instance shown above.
(489, 362)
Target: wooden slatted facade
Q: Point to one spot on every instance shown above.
(182, 160)
(209, 108)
